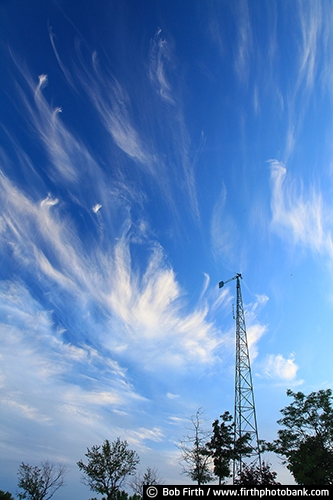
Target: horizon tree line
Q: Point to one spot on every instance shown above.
(305, 445)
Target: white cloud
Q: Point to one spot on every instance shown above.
(147, 305)
(96, 208)
(65, 71)
(55, 383)
(33, 225)
(298, 217)
(24, 409)
(170, 164)
(138, 436)
(49, 202)
(114, 107)
(254, 329)
(83, 398)
(312, 24)
(172, 396)
(70, 163)
(43, 81)
(150, 308)
(160, 58)
(254, 334)
(245, 41)
(87, 285)
(179, 421)
(224, 231)
(280, 368)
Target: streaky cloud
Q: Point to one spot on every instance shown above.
(65, 71)
(51, 365)
(142, 434)
(113, 105)
(313, 70)
(147, 304)
(255, 330)
(159, 59)
(245, 41)
(70, 160)
(150, 308)
(169, 163)
(224, 230)
(31, 225)
(299, 217)
(312, 20)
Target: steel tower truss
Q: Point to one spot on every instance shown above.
(244, 412)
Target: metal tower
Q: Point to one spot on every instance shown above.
(245, 413)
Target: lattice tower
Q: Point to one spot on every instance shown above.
(244, 412)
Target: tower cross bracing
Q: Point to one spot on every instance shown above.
(245, 419)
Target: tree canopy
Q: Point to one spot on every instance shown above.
(306, 441)
(40, 483)
(149, 478)
(5, 495)
(196, 458)
(222, 447)
(252, 475)
(108, 466)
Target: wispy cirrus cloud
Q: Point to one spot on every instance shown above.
(148, 304)
(300, 217)
(312, 71)
(181, 153)
(244, 46)
(142, 436)
(224, 230)
(59, 145)
(255, 330)
(151, 307)
(159, 60)
(315, 68)
(69, 164)
(65, 71)
(117, 315)
(99, 271)
(314, 30)
(114, 107)
(27, 333)
(136, 122)
(56, 382)
(33, 231)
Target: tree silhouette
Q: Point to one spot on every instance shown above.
(5, 495)
(149, 478)
(195, 456)
(253, 475)
(108, 466)
(40, 483)
(306, 441)
(222, 447)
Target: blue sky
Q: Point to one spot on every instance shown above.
(148, 151)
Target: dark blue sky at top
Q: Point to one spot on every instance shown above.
(214, 101)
